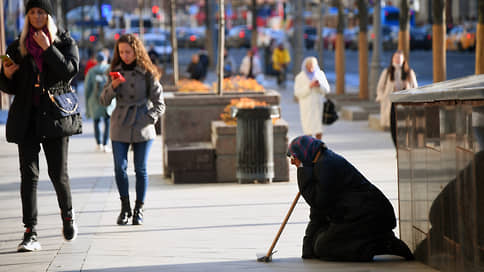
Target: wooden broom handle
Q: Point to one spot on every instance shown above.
(294, 202)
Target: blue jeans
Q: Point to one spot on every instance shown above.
(97, 130)
(120, 155)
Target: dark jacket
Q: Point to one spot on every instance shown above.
(195, 70)
(61, 63)
(348, 215)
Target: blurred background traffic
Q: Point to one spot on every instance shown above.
(98, 24)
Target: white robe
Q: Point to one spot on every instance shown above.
(311, 101)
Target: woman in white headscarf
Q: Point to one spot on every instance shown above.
(310, 87)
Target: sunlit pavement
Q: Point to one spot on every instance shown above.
(208, 227)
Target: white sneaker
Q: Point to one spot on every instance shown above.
(107, 149)
(100, 147)
(29, 243)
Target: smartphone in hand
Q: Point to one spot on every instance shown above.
(7, 60)
(116, 75)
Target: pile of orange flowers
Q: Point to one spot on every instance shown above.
(192, 85)
(240, 84)
(242, 103)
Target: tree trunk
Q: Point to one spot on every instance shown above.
(141, 23)
(221, 46)
(320, 45)
(375, 58)
(209, 33)
(174, 43)
(298, 36)
(101, 27)
(340, 52)
(253, 40)
(363, 48)
(403, 33)
(438, 41)
(480, 40)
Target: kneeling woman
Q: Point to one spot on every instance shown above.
(350, 219)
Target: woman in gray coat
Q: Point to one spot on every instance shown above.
(139, 103)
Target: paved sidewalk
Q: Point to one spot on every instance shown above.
(209, 227)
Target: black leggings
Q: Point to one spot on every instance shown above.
(56, 155)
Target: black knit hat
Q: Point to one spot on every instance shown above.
(43, 4)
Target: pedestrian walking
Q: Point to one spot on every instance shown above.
(280, 62)
(310, 88)
(350, 219)
(93, 85)
(139, 102)
(396, 77)
(43, 56)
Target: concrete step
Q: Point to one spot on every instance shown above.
(374, 122)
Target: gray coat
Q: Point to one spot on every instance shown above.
(137, 108)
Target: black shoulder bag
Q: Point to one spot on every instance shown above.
(62, 116)
(329, 112)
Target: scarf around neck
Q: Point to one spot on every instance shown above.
(33, 48)
(128, 67)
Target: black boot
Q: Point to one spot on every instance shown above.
(138, 213)
(125, 211)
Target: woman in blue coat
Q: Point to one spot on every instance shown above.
(350, 219)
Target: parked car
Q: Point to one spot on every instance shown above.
(190, 38)
(239, 36)
(161, 45)
(421, 37)
(453, 37)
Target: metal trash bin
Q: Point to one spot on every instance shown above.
(255, 144)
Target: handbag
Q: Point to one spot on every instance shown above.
(329, 112)
(62, 116)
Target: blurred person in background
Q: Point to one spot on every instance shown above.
(205, 61)
(250, 66)
(396, 77)
(229, 65)
(94, 83)
(280, 62)
(310, 88)
(91, 62)
(195, 68)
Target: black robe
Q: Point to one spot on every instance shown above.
(350, 219)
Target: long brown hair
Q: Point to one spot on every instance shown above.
(142, 58)
(405, 67)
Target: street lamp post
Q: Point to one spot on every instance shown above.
(174, 43)
(221, 46)
(375, 66)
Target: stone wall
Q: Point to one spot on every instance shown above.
(224, 143)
